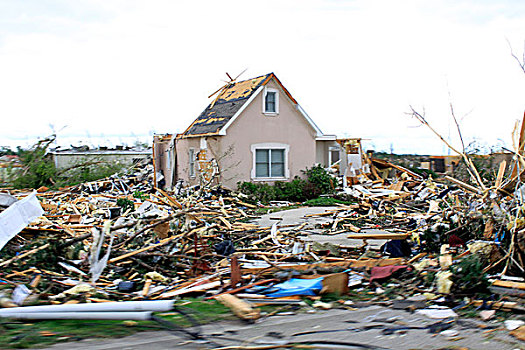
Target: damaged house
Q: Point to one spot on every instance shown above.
(253, 130)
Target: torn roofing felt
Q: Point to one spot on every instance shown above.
(229, 101)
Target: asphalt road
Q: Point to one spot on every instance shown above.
(363, 328)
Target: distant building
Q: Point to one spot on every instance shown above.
(67, 158)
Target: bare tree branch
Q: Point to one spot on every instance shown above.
(470, 166)
(521, 62)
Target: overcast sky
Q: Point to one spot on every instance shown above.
(112, 72)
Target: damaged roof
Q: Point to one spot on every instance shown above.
(229, 101)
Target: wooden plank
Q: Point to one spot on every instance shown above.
(18, 257)
(347, 263)
(417, 257)
(509, 284)
(225, 222)
(247, 204)
(352, 228)
(501, 173)
(378, 235)
(170, 198)
(240, 308)
(462, 184)
(161, 243)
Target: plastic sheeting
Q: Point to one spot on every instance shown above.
(20, 214)
(297, 286)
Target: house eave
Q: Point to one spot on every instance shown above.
(182, 136)
(326, 138)
(312, 123)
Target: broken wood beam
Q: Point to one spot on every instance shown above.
(462, 184)
(239, 307)
(386, 235)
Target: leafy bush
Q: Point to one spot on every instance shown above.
(293, 191)
(321, 180)
(468, 276)
(39, 169)
(318, 181)
(125, 204)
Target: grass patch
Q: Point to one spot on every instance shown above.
(268, 210)
(325, 202)
(21, 335)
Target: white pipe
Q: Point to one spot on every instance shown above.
(115, 306)
(137, 316)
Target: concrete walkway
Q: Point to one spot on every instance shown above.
(297, 217)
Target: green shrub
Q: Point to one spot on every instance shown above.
(125, 204)
(468, 276)
(39, 169)
(318, 181)
(321, 179)
(293, 191)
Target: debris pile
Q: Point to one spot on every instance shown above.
(443, 242)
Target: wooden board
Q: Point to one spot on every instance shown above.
(378, 235)
(347, 263)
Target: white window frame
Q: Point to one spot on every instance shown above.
(203, 143)
(191, 162)
(266, 91)
(266, 146)
(168, 159)
(330, 150)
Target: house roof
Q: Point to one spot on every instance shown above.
(227, 104)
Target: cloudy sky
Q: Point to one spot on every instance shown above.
(109, 72)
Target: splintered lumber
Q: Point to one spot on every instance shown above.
(386, 164)
(153, 246)
(170, 199)
(352, 228)
(185, 290)
(348, 263)
(225, 222)
(499, 305)
(509, 284)
(415, 258)
(247, 204)
(239, 307)
(386, 235)
(462, 184)
(240, 289)
(32, 251)
(501, 173)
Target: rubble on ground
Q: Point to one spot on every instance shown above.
(448, 245)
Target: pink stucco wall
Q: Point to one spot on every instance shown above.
(234, 152)
(182, 147)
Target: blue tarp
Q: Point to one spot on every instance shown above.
(297, 286)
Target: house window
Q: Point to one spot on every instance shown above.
(271, 101)
(168, 159)
(191, 157)
(333, 155)
(270, 161)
